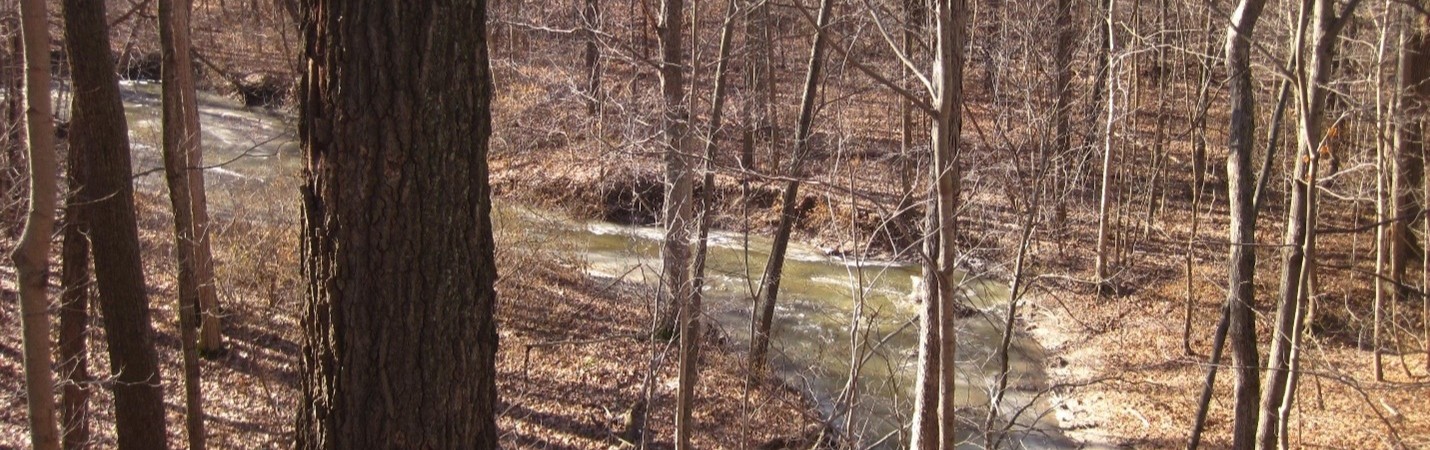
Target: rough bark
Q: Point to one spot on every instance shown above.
(1241, 263)
(99, 132)
(400, 339)
(32, 255)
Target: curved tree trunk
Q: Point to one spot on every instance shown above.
(400, 339)
(32, 255)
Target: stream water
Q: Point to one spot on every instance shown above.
(820, 297)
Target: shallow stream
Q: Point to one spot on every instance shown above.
(249, 149)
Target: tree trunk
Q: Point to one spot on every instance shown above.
(1241, 265)
(679, 176)
(100, 134)
(74, 318)
(1100, 262)
(1409, 167)
(939, 339)
(591, 15)
(690, 323)
(182, 169)
(400, 339)
(1414, 79)
(789, 207)
(1300, 239)
(32, 254)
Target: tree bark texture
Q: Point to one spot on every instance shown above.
(400, 340)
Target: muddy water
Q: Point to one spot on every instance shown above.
(249, 151)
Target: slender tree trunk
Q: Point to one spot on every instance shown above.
(1300, 238)
(74, 318)
(938, 339)
(789, 208)
(32, 255)
(99, 133)
(75, 276)
(1414, 79)
(690, 331)
(679, 173)
(1241, 265)
(183, 168)
(1100, 263)
(591, 15)
(395, 356)
(1062, 110)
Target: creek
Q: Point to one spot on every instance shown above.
(248, 149)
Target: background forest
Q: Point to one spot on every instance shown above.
(722, 224)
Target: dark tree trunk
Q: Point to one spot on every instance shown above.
(1241, 187)
(1414, 78)
(400, 340)
(679, 177)
(98, 130)
(74, 313)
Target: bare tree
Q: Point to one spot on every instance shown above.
(789, 206)
(183, 170)
(183, 161)
(1241, 264)
(1298, 260)
(1414, 79)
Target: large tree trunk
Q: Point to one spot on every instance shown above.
(1297, 263)
(400, 339)
(32, 255)
(99, 132)
(789, 206)
(183, 170)
(1241, 187)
